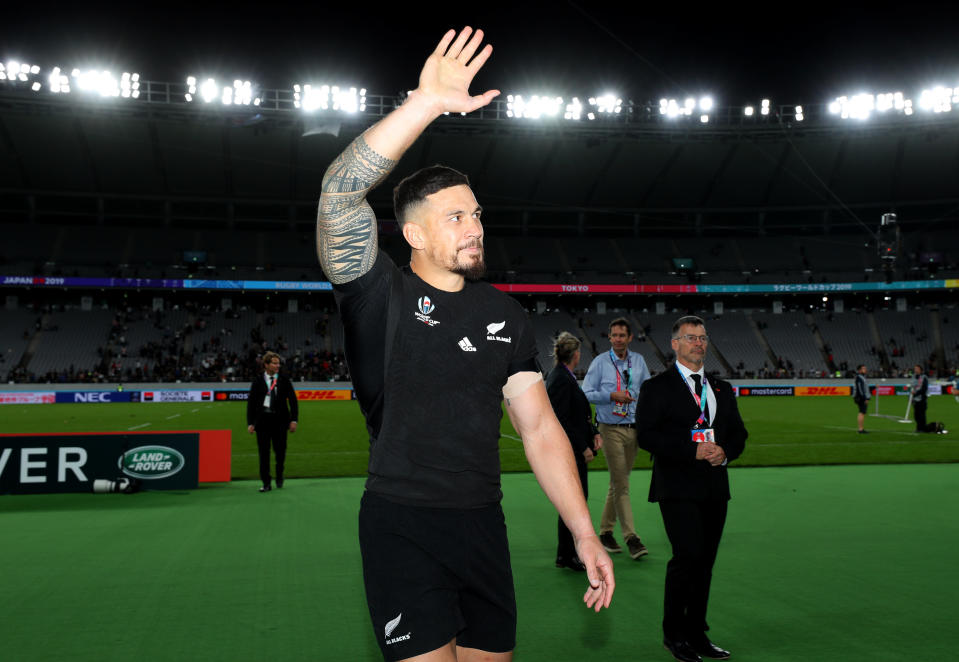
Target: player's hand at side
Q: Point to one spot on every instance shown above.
(449, 70)
(599, 572)
(292, 426)
(250, 429)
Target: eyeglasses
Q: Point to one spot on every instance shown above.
(690, 338)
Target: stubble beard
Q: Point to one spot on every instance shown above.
(475, 267)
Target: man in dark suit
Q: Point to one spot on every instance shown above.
(692, 428)
(271, 411)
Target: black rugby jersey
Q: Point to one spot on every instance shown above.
(434, 414)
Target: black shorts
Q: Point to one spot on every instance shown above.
(432, 574)
(861, 403)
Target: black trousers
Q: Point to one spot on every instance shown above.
(271, 430)
(921, 425)
(565, 547)
(694, 529)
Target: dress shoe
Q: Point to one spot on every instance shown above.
(708, 649)
(573, 563)
(265, 488)
(681, 650)
(609, 543)
(636, 548)
(279, 483)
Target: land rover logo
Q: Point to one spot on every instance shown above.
(151, 462)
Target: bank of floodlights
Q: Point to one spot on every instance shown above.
(15, 72)
(310, 98)
(608, 103)
(939, 99)
(102, 83)
(671, 108)
(536, 107)
(241, 93)
(574, 110)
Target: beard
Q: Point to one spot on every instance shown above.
(474, 267)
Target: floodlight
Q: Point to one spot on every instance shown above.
(765, 107)
(748, 111)
(799, 114)
(536, 107)
(35, 87)
(706, 104)
(574, 110)
(607, 103)
(704, 119)
(34, 70)
(209, 90)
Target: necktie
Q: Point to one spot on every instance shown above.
(272, 381)
(699, 393)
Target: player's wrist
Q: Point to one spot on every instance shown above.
(426, 105)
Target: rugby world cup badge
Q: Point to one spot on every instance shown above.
(426, 306)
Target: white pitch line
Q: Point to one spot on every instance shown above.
(174, 416)
(193, 411)
(137, 427)
(509, 436)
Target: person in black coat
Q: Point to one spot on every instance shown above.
(692, 427)
(271, 412)
(575, 415)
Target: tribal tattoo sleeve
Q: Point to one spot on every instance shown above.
(345, 224)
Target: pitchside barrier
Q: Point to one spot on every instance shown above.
(312, 392)
(58, 462)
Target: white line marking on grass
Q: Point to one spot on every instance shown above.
(509, 436)
(137, 427)
(174, 416)
(193, 411)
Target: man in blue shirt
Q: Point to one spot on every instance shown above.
(612, 384)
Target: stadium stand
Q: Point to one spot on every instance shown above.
(791, 340)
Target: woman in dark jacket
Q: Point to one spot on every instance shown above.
(575, 415)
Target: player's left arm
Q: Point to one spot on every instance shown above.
(551, 458)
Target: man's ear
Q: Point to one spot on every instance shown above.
(414, 235)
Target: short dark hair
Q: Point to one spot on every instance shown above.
(860, 366)
(621, 321)
(686, 319)
(427, 181)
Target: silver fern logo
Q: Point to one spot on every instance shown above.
(389, 630)
(494, 327)
(392, 625)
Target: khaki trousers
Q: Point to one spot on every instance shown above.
(619, 446)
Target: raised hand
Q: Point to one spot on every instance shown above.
(449, 70)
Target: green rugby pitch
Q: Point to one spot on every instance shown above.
(332, 441)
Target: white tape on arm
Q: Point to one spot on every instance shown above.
(518, 382)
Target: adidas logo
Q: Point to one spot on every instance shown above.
(466, 345)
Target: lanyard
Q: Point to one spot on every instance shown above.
(619, 375)
(272, 385)
(700, 401)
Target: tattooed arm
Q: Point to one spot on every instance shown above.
(345, 224)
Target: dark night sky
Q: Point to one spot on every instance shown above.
(790, 51)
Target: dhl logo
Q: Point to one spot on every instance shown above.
(823, 390)
(330, 394)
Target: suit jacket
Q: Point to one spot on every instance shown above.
(665, 414)
(283, 401)
(572, 409)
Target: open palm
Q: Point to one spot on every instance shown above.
(448, 72)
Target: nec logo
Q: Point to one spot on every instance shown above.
(91, 397)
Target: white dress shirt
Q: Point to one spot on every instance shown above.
(710, 396)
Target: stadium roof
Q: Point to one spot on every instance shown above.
(797, 52)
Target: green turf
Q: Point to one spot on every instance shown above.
(332, 438)
(824, 563)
